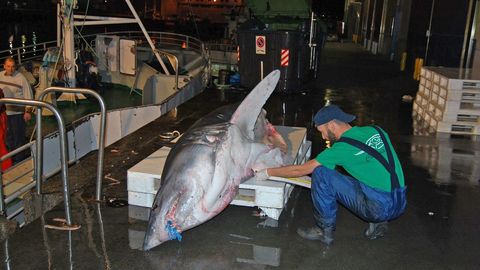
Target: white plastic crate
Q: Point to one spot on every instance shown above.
(458, 95)
(443, 92)
(448, 100)
(434, 98)
(145, 176)
(455, 111)
(138, 212)
(458, 128)
(428, 84)
(459, 84)
(141, 198)
(425, 72)
(443, 82)
(422, 81)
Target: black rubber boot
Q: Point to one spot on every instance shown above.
(315, 233)
(376, 230)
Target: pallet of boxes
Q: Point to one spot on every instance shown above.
(448, 100)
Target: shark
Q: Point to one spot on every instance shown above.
(205, 167)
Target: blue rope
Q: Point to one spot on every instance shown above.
(172, 232)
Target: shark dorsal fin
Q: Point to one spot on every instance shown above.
(247, 113)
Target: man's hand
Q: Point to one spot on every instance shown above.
(261, 175)
(27, 116)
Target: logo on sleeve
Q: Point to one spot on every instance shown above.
(375, 142)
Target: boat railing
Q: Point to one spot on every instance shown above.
(27, 53)
(63, 155)
(225, 47)
(162, 40)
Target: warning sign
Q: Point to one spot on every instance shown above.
(260, 44)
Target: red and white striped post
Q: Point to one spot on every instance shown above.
(284, 55)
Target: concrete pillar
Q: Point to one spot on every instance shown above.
(365, 19)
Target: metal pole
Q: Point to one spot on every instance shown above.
(39, 151)
(63, 146)
(372, 25)
(103, 123)
(2, 202)
(68, 43)
(310, 40)
(472, 38)
(149, 40)
(465, 35)
(429, 32)
(7, 259)
(59, 26)
(102, 237)
(383, 21)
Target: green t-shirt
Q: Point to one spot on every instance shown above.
(359, 164)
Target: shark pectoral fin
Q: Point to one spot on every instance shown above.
(247, 113)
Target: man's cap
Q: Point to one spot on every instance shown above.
(332, 112)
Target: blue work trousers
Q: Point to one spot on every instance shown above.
(370, 204)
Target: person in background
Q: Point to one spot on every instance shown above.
(15, 85)
(3, 134)
(374, 190)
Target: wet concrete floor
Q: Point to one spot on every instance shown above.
(439, 230)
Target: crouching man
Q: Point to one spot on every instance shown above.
(375, 190)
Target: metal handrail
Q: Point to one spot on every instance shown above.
(63, 150)
(101, 137)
